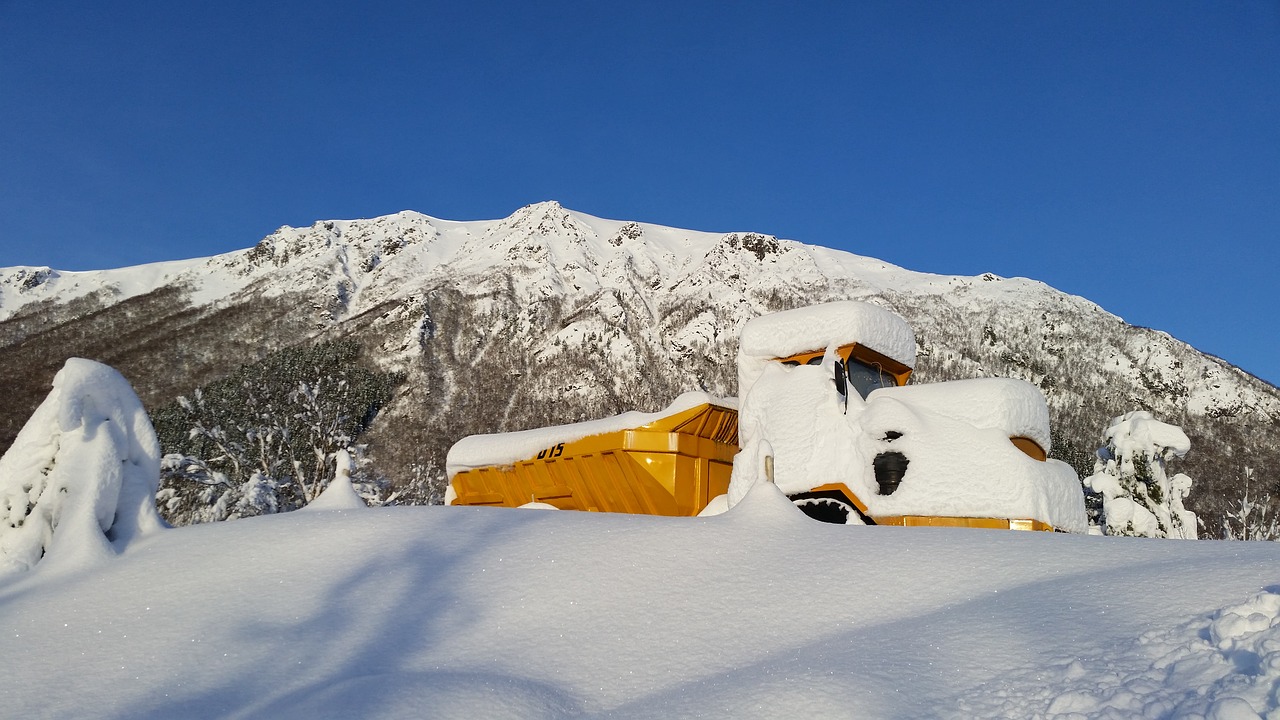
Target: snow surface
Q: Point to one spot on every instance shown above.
(476, 451)
(760, 612)
(1015, 407)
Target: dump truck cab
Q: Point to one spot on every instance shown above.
(858, 367)
(825, 392)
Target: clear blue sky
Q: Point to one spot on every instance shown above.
(1128, 152)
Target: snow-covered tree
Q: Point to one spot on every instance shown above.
(266, 439)
(340, 494)
(79, 482)
(1130, 474)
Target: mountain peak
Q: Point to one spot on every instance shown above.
(544, 218)
(546, 206)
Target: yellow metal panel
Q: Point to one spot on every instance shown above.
(932, 520)
(1030, 447)
(943, 521)
(846, 492)
(671, 466)
(901, 373)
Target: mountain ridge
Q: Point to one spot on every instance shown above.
(596, 316)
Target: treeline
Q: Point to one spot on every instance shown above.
(264, 438)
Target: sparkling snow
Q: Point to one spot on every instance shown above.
(339, 494)
(760, 612)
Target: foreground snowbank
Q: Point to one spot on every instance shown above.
(482, 612)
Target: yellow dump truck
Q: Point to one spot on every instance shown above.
(677, 462)
(671, 465)
(675, 466)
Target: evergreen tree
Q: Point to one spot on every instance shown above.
(1138, 498)
(264, 439)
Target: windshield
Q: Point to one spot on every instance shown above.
(865, 378)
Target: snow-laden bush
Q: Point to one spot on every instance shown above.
(1138, 496)
(79, 482)
(1252, 517)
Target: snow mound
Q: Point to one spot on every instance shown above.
(959, 468)
(79, 482)
(410, 612)
(955, 438)
(339, 494)
(1015, 407)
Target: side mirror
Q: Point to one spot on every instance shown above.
(842, 382)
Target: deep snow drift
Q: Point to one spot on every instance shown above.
(451, 612)
(448, 612)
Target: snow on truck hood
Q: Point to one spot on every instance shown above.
(1013, 406)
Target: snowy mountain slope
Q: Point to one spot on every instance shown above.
(551, 315)
(479, 612)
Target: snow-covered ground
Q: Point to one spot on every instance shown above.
(343, 611)
(450, 612)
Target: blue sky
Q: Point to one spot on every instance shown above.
(1127, 152)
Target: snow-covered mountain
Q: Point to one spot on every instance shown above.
(552, 315)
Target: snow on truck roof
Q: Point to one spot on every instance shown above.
(477, 451)
(819, 326)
